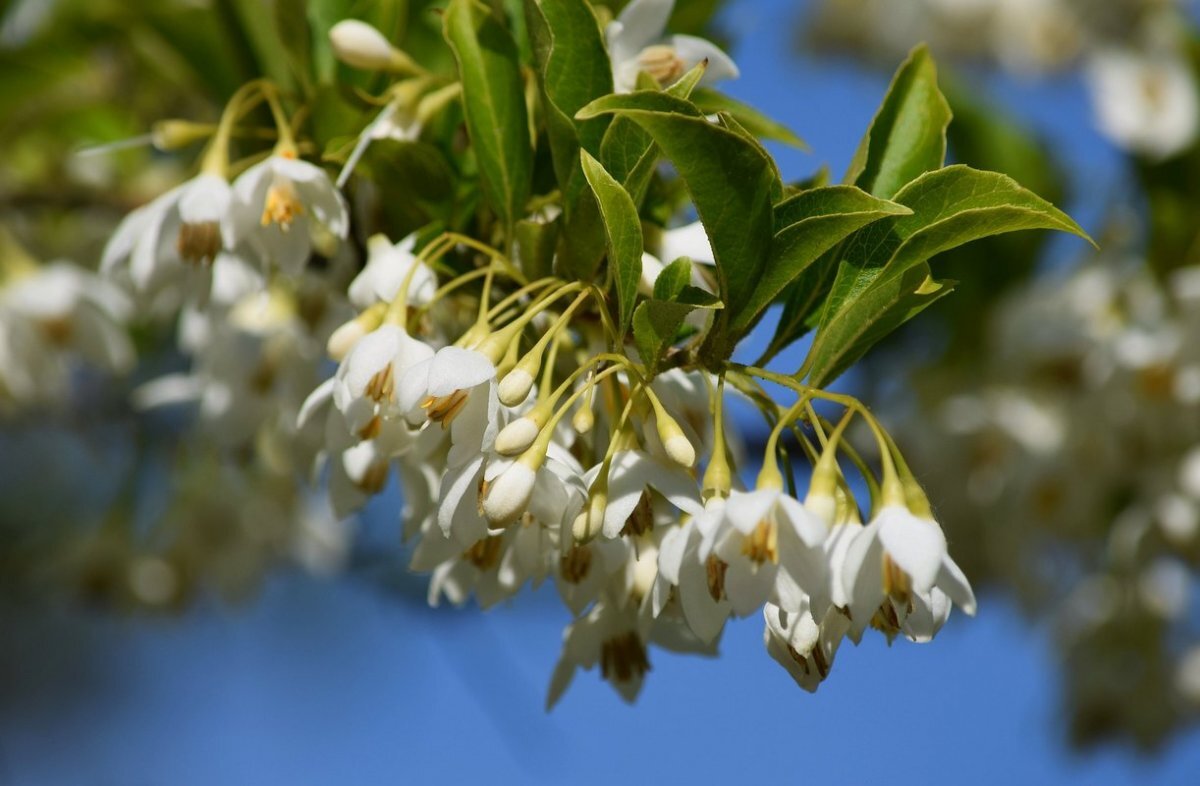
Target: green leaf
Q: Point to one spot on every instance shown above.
(712, 101)
(673, 279)
(811, 223)
(535, 245)
(908, 135)
(657, 322)
(624, 231)
(494, 103)
(573, 70)
(629, 153)
(884, 264)
(416, 184)
(730, 180)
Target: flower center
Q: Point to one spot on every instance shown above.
(199, 243)
(374, 478)
(443, 409)
(661, 62)
(382, 385)
(372, 429)
(761, 545)
(57, 330)
(896, 583)
(484, 554)
(642, 519)
(623, 658)
(576, 564)
(282, 206)
(715, 567)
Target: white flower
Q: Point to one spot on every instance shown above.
(52, 315)
(800, 645)
(455, 388)
(901, 556)
(608, 636)
(386, 269)
(770, 548)
(282, 208)
(701, 582)
(637, 42)
(1145, 103)
(177, 236)
(631, 475)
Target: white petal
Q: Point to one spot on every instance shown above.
(640, 23)
(952, 581)
(745, 509)
(917, 545)
(692, 50)
(455, 368)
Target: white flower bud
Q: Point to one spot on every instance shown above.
(359, 45)
(515, 387)
(344, 338)
(509, 495)
(584, 419)
(516, 437)
(680, 449)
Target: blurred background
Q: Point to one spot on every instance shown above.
(167, 622)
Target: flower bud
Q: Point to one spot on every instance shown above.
(678, 446)
(509, 494)
(342, 340)
(583, 419)
(515, 386)
(359, 45)
(517, 436)
(167, 135)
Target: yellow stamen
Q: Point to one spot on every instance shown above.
(444, 409)
(282, 205)
(661, 62)
(761, 545)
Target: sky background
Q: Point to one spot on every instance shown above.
(356, 681)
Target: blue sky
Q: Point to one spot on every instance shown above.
(316, 682)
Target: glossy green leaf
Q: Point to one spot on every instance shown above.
(712, 101)
(624, 231)
(574, 70)
(950, 207)
(494, 102)
(730, 181)
(657, 322)
(810, 224)
(908, 135)
(535, 245)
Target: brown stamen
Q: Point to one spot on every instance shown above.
(624, 658)
(198, 244)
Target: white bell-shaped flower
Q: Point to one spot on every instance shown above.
(637, 42)
(900, 555)
(771, 549)
(282, 207)
(385, 272)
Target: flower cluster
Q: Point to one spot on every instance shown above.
(478, 282)
(1106, 344)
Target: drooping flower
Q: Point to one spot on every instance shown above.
(175, 239)
(768, 547)
(898, 556)
(637, 42)
(1145, 103)
(284, 207)
(387, 268)
(802, 646)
